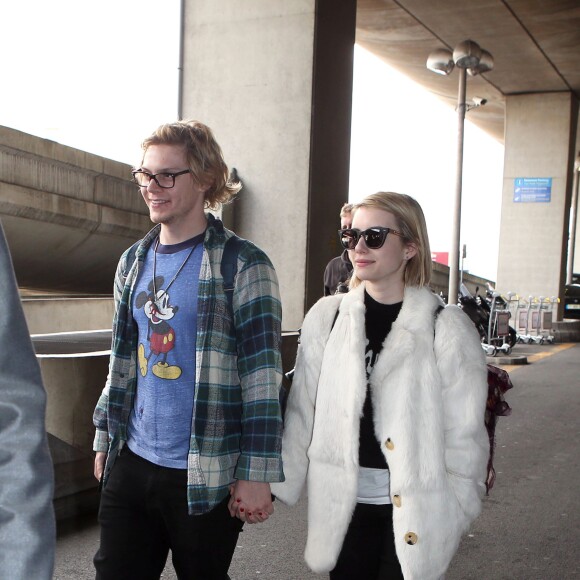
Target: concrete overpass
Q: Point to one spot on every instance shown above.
(68, 215)
(536, 47)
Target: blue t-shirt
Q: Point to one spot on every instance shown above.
(159, 426)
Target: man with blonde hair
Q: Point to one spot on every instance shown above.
(338, 270)
(189, 420)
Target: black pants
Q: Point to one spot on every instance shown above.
(368, 550)
(143, 515)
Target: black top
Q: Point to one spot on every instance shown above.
(336, 274)
(378, 321)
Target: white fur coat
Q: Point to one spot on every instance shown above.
(429, 392)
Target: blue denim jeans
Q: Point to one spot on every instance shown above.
(143, 515)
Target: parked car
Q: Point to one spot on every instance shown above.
(572, 298)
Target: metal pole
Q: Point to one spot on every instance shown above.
(180, 62)
(456, 231)
(573, 216)
(463, 256)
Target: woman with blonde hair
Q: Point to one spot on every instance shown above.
(385, 418)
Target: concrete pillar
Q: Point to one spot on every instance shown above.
(539, 142)
(576, 267)
(274, 81)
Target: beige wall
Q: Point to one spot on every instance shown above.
(49, 315)
(577, 245)
(540, 142)
(250, 74)
(73, 386)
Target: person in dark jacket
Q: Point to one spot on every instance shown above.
(338, 270)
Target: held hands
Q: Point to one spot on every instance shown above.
(250, 501)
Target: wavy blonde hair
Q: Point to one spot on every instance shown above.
(204, 157)
(411, 223)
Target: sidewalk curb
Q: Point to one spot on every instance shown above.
(507, 360)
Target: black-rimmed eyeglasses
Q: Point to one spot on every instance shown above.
(164, 179)
(374, 237)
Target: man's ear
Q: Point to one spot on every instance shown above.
(208, 187)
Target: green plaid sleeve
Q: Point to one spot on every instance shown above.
(258, 313)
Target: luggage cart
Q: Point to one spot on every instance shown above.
(498, 330)
(535, 334)
(546, 317)
(510, 303)
(522, 319)
(513, 301)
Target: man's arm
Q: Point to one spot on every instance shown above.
(258, 318)
(27, 527)
(100, 458)
(100, 418)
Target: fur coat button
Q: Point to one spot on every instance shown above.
(397, 500)
(389, 444)
(411, 538)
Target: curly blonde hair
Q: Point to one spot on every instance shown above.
(204, 157)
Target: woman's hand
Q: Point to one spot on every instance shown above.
(251, 501)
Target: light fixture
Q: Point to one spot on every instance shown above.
(470, 58)
(440, 61)
(467, 54)
(484, 65)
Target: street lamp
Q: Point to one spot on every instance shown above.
(468, 57)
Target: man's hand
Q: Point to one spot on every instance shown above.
(99, 464)
(251, 501)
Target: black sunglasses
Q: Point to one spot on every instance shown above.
(374, 237)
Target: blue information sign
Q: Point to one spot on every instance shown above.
(533, 189)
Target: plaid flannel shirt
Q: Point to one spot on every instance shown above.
(236, 426)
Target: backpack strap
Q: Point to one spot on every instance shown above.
(131, 257)
(335, 317)
(437, 312)
(290, 374)
(229, 269)
(130, 260)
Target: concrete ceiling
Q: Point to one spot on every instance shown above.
(535, 45)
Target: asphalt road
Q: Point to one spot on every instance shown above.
(530, 525)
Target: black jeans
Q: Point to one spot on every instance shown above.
(368, 551)
(143, 515)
